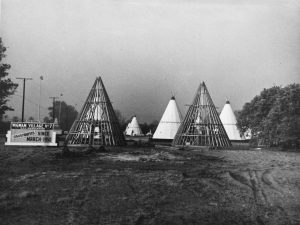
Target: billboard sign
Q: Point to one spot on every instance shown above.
(31, 133)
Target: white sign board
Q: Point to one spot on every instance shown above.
(31, 134)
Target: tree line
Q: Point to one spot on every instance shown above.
(273, 117)
(145, 127)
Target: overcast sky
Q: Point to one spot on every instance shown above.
(144, 49)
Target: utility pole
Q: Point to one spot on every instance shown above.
(59, 110)
(24, 81)
(53, 115)
(39, 112)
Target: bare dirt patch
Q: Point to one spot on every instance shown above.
(149, 186)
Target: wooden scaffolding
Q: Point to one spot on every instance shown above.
(202, 125)
(97, 123)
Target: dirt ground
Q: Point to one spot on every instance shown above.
(149, 186)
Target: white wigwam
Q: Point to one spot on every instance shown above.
(133, 128)
(169, 122)
(229, 122)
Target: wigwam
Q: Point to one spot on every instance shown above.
(97, 123)
(202, 125)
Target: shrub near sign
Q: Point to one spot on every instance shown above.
(23, 133)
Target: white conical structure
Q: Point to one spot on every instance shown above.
(133, 128)
(169, 122)
(229, 122)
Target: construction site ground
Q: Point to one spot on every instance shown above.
(148, 185)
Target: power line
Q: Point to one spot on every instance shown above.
(30, 101)
(43, 108)
(49, 92)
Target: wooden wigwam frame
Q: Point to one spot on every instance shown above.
(202, 125)
(97, 123)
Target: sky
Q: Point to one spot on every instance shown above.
(145, 50)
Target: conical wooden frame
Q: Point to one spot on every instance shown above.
(202, 125)
(97, 123)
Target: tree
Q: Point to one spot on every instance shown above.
(273, 116)
(253, 113)
(153, 125)
(46, 119)
(144, 127)
(15, 119)
(7, 87)
(282, 125)
(147, 127)
(67, 116)
(31, 118)
(121, 119)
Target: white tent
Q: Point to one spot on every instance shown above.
(169, 122)
(229, 122)
(133, 128)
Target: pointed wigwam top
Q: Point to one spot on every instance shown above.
(202, 125)
(229, 122)
(169, 122)
(133, 128)
(97, 123)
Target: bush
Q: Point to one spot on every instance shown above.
(4, 127)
